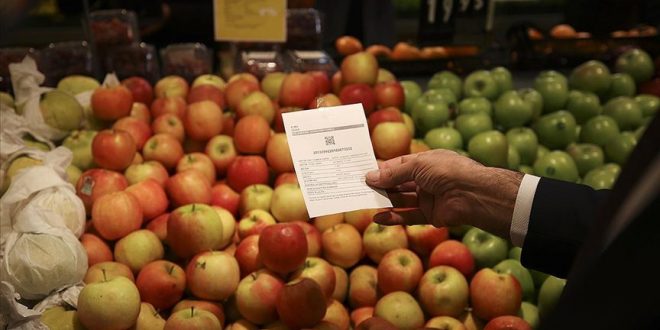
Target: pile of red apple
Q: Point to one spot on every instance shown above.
(196, 220)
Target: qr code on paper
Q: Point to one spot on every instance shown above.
(329, 140)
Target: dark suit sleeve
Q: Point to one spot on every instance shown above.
(561, 215)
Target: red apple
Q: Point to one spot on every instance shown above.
(203, 120)
(278, 123)
(110, 103)
(342, 245)
(107, 270)
(172, 104)
(141, 112)
(97, 249)
(443, 290)
(389, 94)
(171, 86)
(161, 283)
(169, 123)
(321, 272)
(243, 76)
(245, 171)
(247, 255)
(206, 92)
(163, 148)
(507, 322)
(138, 129)
(341, 284)
(424, 238)
(379, 239)
(301, 304)
(455, 254)
(146, 170)
(116, 214)
(221, 151)
(222, 195)
(228, 123)
(322, 81)
(253, 222)
(337, 83)
(113, 149)
(257, 296)
(337, 315)
(313, 238)
(279, 260)
(251, 135)
(361, 314)
(140, 89)
(325, 100)
(159, 226)
(97, 182)
(213, 307)
(391, 140)
(286, 177)
(187, 187)
(204, 270)
(194, 228)
(200, 162)
(493, 294)
(376, 322)
(191, 146)
(360, 67)
(239, 89)
(298, 89)
(278, 154)
(257, 103)
(399, 270)
(151, 197)
(389, 114)
(359, 93)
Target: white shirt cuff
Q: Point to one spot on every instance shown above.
(523, 209)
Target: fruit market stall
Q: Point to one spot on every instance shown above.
(149, 187)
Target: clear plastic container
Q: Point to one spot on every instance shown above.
(304, 29)
(62, 59)
(12, 55)
(113, 27)
(259, 63)
(187, 60)
(311, 60)
(133, 60)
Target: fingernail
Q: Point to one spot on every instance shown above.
(373, 175)
(381, 218)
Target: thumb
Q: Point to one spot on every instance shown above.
(390, 177)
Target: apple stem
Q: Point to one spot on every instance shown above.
(170, 269)
(104, 277)
(192, 311)
(193, 207)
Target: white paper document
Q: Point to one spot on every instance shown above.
(332, 152)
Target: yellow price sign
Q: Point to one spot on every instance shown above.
(250, 20)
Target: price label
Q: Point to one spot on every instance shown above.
(253, 20)
(309, 54)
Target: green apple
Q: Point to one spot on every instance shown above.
(541, 151)
(441, 95)
(552, 74)
(530, 313)
(489, 148)
(619, 148)
(459, 231)
(6, 99)
(598, 130)
(549, 295)
(61, 110)
(444, 138)
(515, 252)
(428, 115)
(622, 85)
(502, 77)
(583, 106)
(477, 104)
(73, 174)
(587, 156)
(60, 318)
(411, 92)
(591, 76)
(649, 104)
(557, 165)
(515, 268)
(481, 83)
(636, 63)
(511, 110)
(33, 143)
(524, 140)
(526, 169)
(446, 79)
(109, 304)
(472, 124)
(77, 84)
(625, 111)
(535, 98)
(487, 249)
(80, 144)
(553, 89)
(513, 158)
(600, 178)
(556, 130)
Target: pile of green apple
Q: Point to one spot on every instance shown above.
(196, 219)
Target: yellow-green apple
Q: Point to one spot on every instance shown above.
(76, 84)
(337, 314)
(171, 86)
(107, 270)
(138, 248)
(109, 304)
(247, 255)
(251, 134)
(213, 307)
(325, 100)
(255, 197)
(301, 304)
(203, 120)
(204, 270)
(256, 103)
(151, 197)
(159, 226)
(209, 79)
(194, 228)
(116, 214)
(389, 114)
(140, 89)
(313, 238)
(493, 294)
(443, 291)
(487, 249)
(206, 92)
(399, 270)
(192, 318)
(271, 240)
(549, 295)
(141, 112)
(257, 296)
(327, 221)
(389, 94)
(321, 272)
(228, 225)
(163, 148)
(149, 170)
(379, 239)
(341, 284)
(73, 173)
(297, 90)
(223, 196)
(188, 187)
(169, 123)
(407, 119)
(149, 318)
(111, 103)
(200, 162)
(58, 317)
(321, 80)
(80, 144)
(400, 309)
(220, 149)
(424, 238)
(445, 322)
(278, 154)
(507, 322)
(272, 83)
(253, 222)
(360, 314)
(288, 204)
(161, 283)
(97, 249)
(359, 93)
(471, 322)
(174, 105)
(113, 149)
(61, 110)
(138, 130)
(390, 140)
(363, 286)
(342, 245)
(360, 67)
(455, 254)
(97, 182)
(242, 324)
(385, 75)
(237, 90)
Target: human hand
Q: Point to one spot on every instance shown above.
(443, 188)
